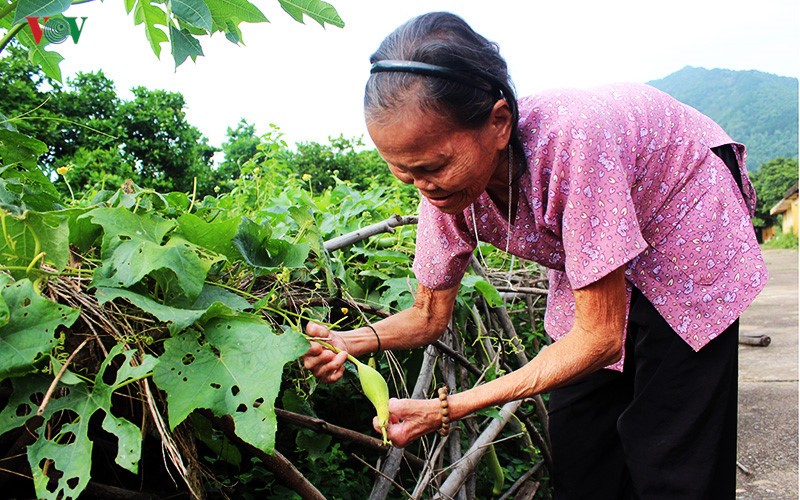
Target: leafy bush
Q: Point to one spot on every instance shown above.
(133, 321)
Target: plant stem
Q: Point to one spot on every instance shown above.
(331, 348)
(39, 255)
(10, 36)
(194, 195)
(11, 243)
(71, 194)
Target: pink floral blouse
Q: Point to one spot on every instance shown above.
(620, 175)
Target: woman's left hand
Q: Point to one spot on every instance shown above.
(409, 419)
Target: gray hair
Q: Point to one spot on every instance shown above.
(442, 39)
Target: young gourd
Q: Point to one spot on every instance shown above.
(374, 386)
(377, 391)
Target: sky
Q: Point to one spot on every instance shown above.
(309, 80)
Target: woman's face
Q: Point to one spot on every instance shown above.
(449, 166)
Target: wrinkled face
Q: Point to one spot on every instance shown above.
(450, 166)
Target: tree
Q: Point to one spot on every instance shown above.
(90, 112)
(241, 146)
(167, 152)
(771, 182)
(29, 98)
(341, 160)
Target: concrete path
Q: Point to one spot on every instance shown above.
(768, 387)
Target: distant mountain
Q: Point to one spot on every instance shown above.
(755, 108)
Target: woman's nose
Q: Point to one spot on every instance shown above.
(423, 183)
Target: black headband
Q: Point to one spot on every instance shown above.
(421, 68)
(487, 83)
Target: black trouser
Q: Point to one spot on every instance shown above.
(663, 428)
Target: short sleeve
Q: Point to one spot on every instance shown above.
(590, 202)
(444, 248)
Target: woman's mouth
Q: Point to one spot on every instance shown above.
(439, 201)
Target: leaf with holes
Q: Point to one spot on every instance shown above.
(30, 333)
(132, 249)
(235, 369)
(66, 446)
(212, 302)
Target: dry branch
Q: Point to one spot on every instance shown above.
(393, 459)
(319, 425)
(467, 465)
(385, 226)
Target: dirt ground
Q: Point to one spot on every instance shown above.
(768, 387)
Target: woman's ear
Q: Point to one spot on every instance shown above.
(500, 121)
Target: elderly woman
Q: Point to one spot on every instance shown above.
(638, 205)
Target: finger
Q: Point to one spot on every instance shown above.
(314, 349)
(375, 425)
(397, 435)
(332, 370)
(317, 330)
(316, 358)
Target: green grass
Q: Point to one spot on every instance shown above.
(782, 240)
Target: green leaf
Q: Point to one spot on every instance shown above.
(19, 148)
(39, 8)
(151, 16)
(259, 250)
(22, 185)
(30, 332)
(192, 12)
(212, 302)
(239, 10)
(321, 12)
(234, 370)
(48, 60)
(184, 266)
(486, 289)
(399, 291)
(67, 442)
(216, 236)
(183, 45)
(36, 232)
(132, 249)
(227, 14)
(5, 123)
(120, 223)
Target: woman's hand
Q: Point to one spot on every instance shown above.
(409, 419)
(326, 365)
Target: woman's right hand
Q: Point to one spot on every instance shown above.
(326, 365)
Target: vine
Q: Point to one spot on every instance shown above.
(130, 321)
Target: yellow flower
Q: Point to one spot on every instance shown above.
(345, 311)
(63, 170)
(306, 177)
(216, 189)
(256, 171)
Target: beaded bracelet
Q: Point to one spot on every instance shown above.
(445, 428)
